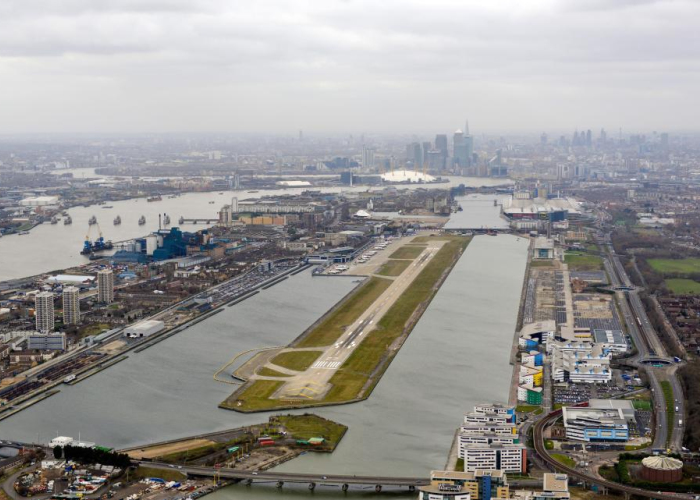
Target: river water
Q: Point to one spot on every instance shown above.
(478, 212)
(457, 355)
(53, 247)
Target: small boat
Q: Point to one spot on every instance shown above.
(182, 220)
(117, 220)
(142, 220)
(108, 206)
(54, 220)
(212, 202)
(166, 220)
(22, 233)
(93, 220)
(67, 221)
(69, 379)
(154, 198)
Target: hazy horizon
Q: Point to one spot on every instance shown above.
(337, 67)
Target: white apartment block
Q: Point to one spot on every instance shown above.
(43, 311)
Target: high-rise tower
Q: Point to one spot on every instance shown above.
(105, 286)
(43, 311)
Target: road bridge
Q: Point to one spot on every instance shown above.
(280, 478)
(205, 220)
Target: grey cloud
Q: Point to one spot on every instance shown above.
(445, 57)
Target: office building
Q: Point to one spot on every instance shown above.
(460, 149)
(488, 439)
(595, 424)
(71, 306)
(580, 362)
(478, 485)
(368, 157)
(43, 311)
(504, 457)
(414, 154)
(554, 487)
(612, 340)
(105, 286)
(47, 342)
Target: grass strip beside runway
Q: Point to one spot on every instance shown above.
(393, 267)
(407, 252)
(296, 360)
(351, 378)
(333, 325)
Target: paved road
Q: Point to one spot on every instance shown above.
(648, 344)
(337, 479)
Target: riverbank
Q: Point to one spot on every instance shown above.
(253, 447)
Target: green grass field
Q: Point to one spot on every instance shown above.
(308, 426)
(393, 267)
(334, 324)
(529, 409)
(407, 252)
(297, 360)
(670, 407)
(564, 459)
(683, 286)
(255, 396)
(351, 377)
(169, 475)
(269, 372)
(675, 266)
(583, 262)
(640, 404)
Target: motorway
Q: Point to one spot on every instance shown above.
(314, 382)
(649, 347)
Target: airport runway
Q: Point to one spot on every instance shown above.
(313, 383)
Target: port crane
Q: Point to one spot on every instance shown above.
(95, 246)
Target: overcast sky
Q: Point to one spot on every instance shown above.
(348, 66)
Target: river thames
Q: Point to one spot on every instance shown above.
(50, 247)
